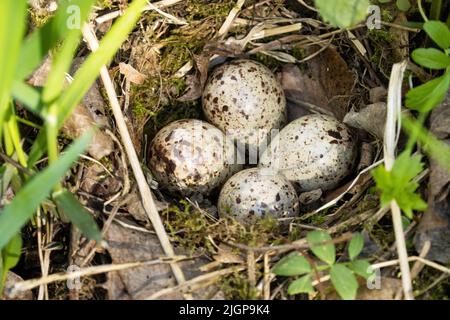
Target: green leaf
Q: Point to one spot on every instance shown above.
(435, 148)
(403, 5)
(78, 215)
(62, 59)
(89, 71)
(12, 29)
(15, 214)
(39, 42)
(344, 281)
(397, 184)
(11, 252)
(362, 268)
(431, 58)
(28, 96)
(428, 95)
(439, 32)
(302, 285)
(355, 246)
(343, 13)
(325, 252)
(9, 258)
(292, 265)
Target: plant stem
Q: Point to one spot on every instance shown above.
(422, 12)
(435, 11)
(415, 134)
(51, 126)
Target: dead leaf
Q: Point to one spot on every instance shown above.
(81, 121)
(11, 279)
(326, 83)
(90, 112)
(371, 119)
(197, 82)
(126, 245)
(136, 210)
(382, 289)
(400, 38)
(435, 223)
(98, 182)
(378, 94)
(131, 74)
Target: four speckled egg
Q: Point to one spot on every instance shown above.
(315, 151)
(244, 99)
(191, 156)
(257, 193)
(244, 102)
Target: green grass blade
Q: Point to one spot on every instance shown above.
(38, 43)
(12, 28)
(78, 215)
(15, 214)
(10, 256)
(88, 72)
(28, 96)
(62, 60)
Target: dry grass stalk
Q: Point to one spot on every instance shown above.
(145, 192)
(391, 136)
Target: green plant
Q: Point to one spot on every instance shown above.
(20, 55)
(398, 183)
(343, 13)
(342, 274)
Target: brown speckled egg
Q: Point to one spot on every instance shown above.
(257, 193)
(191, 156)
(315, 151)
(244, 99)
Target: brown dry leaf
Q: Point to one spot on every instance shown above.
(97, 182)
(326, 83)
(81, 121)
(401, 38)
(126, 245)
(435, 223)
(371, 119)
(131, 74)
(197, 82)
(136, 210)
(11, 279)
(385, 289)
(90, 112)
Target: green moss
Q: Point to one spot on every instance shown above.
(237, 287)
(204, 9)
(38, 19)
(105, 4)
(188, 227)
(268, 61)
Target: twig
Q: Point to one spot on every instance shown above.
(63, 276)
(296, 245)
(335, 200)
(391, 136)
(267, 278)
(145, 192)
(429, 263)
(229, 20)
(186, 285)
(115, 14)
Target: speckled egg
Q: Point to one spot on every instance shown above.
(257, 193)
(244, 99)
(315, 151)
(191, 156)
